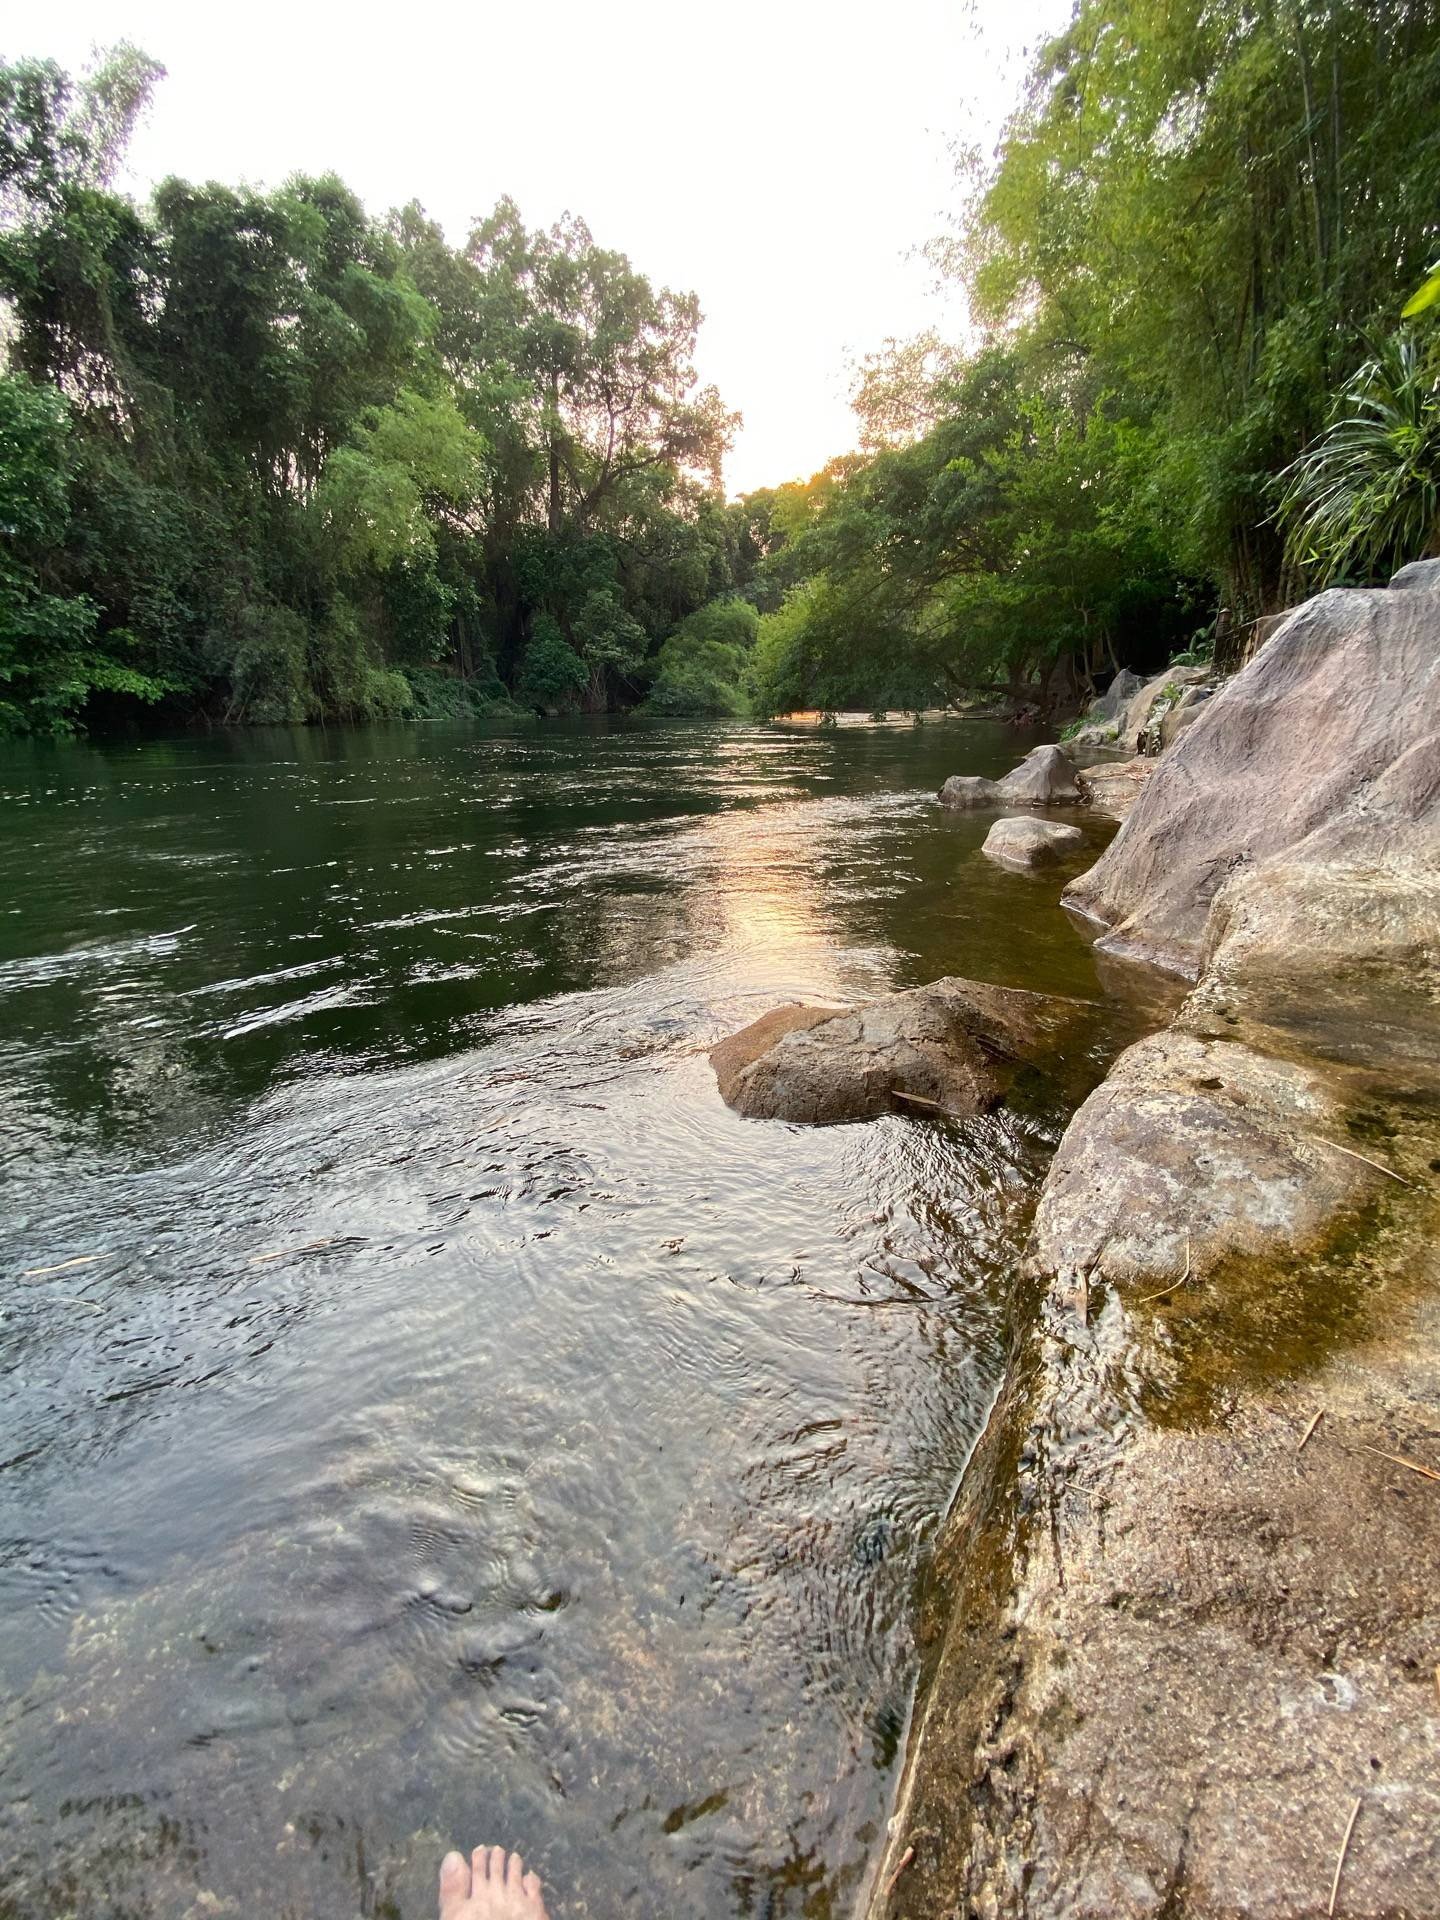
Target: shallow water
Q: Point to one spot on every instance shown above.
(431, 1416)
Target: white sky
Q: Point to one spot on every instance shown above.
(782, 159)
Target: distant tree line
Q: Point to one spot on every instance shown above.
(264, 457)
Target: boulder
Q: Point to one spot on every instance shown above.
(956, 1045)
(1116, 697)
(1101, 720)
(1028, 843)
(1143, 714)
(1112, 786)
(1421, 576)
(1196, 1145)
(1181, 713)
(969, 790)
(1046, 777)
(733, 1055)
(1323, 748)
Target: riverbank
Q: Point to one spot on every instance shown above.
(1182, 1628)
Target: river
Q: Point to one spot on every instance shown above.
(430, 1416)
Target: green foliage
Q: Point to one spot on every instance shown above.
(1366, 497)
(1195, 220)
(50, 662)
(703, 667)
(444, 696)
(1425, 296)
(296, 458)
(552, 674)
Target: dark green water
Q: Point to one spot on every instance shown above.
(431, 1417)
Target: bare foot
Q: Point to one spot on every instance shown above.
(491, 1885)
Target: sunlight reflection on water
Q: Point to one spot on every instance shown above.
(459, 1427)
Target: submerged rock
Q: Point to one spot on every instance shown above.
(957, 1045)
(1029, 843)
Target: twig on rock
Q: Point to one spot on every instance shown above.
(1315, 1420)
(1389, 1172)
(1340, 1863)
(1145, 1297)
(893, 1881)
(1399, 1460)
(931, 1106)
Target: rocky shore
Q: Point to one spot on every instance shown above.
(1182, 1636)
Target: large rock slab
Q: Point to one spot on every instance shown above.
(956, 1045)
(1168, 1647)
(1024, 844)
(1329, 732)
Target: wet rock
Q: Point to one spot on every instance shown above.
(1200, 1149)
(957, 1045)
(1150, 1608)
(735, 1054)
(1113, 786)
(969, 790)
(1165, 1687)
(1028, 843)
(1046, 777)
(1315, 750)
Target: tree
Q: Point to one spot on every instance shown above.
(314, 463)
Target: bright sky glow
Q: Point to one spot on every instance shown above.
(784, 160)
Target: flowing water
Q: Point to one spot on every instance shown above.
(430, 1415)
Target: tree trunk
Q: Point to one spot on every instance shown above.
(554, 517)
